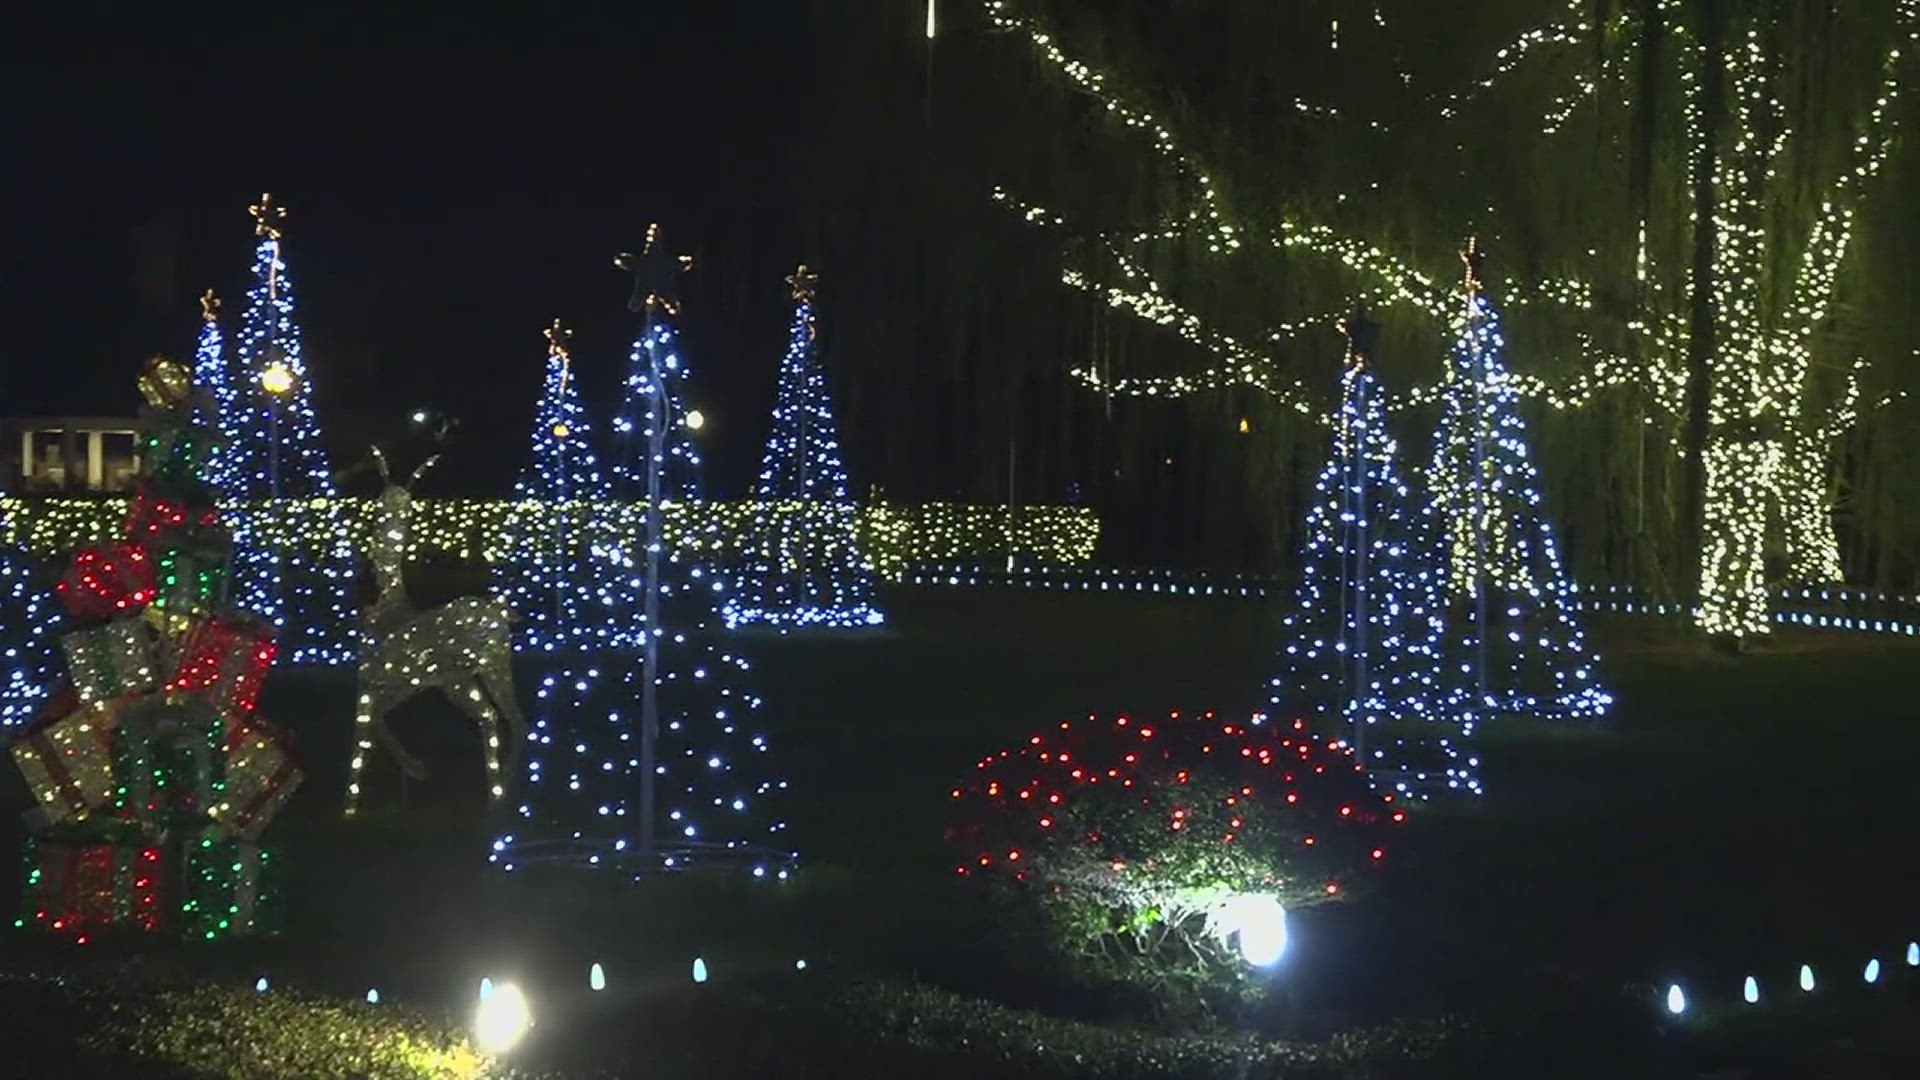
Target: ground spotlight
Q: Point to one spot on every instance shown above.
(502, 1019)
(260, 985)
(699, 970)
(1260, 925)
(373, 996)
(1750, 990)
(1806, 977)
(1872, 974)
(1913, 954)
(596, 977)
(1676, 1000)
(486, 988)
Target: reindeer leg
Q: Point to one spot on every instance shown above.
(370, 725)
(470, 696)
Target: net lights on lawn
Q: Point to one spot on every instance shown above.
(803, 564)
(557, 566)
(273, 451)
(1525, 651)
(1364, 643)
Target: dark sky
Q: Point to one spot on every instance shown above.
(454, 183)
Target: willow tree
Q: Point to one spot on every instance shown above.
(1699, 308)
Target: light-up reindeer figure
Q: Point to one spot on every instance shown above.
(463, 648)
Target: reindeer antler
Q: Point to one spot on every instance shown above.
(421, 471)
(380, 463)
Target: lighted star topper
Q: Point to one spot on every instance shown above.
(1472, 257)
(803, 282)
(655, 274)
(209, 306)
(557, 336)
(267, 217)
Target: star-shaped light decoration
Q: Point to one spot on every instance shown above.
(803, 282)
(267, 217)
(209, 306)
(656, 275)
(557, 336)
(1473, 258)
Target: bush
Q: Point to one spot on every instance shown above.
(1137, 845)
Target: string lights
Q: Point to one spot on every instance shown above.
(803, 565)
(273, 452)
(28, 624)
(1525, 653)
(557, 561)
(1364, 642)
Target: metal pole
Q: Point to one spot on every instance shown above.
(1482, 580)
(1362, 531)
(650, 667)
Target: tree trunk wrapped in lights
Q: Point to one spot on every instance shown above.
(1522, 651)
(1362, 654)
(803, 564)
(274, 470)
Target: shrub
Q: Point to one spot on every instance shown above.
(1137, 845)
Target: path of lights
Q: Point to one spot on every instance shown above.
(273, 451)
(1525, 653)
(894, 536)
(1769, 351)
(803, 564)
(1364, 642)
(557, 566)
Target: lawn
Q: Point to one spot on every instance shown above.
(1735, 815)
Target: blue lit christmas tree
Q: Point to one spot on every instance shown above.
(559, 562)
(28, 623)
(660, 765)
(211, 375)
(293, 563)
(1363, 652)
(801, 563)
(1522, 650)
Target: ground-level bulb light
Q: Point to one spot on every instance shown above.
(597, 977)
(1872, 973)
(260, 985)
(373, 996)
(486, 988)
(1259, 924)
(799, 965)
(502, 1019)
(699, 970)
(1676, 999)
(1806, 977)
(1913, 954)
(1750, 991)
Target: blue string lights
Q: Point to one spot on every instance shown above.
(560, 559)
(211, 375)
(1364, 644)
(658, 765)
(1523, 651)
(803, 565)
(27, 625)
(276, 469)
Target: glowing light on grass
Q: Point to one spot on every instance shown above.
(1913, 954)
(502, 1019)
(699, 970)
(486, 989)
(597, 978)
(1750, 991)
(260, 985)
(1806, 978)
(1872, 973)
(373, 996)
(1676, 1000)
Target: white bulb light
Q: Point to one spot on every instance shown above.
(1913, 954)
(1676, 1000)
(696, 420)
(597, 978)
(486, 989)
(1806, 977)
(1872, 974)
(373, 996)
(502, 1019)
(260, 984)
(1750, 990)
(1258, 926)
(699, 970)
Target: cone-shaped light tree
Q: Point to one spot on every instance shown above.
(663, 764)
(211, 374)
(27, 637)
(801, 563)
(293, 562)
(1522, 649)
(559, 563)
(1364, 644)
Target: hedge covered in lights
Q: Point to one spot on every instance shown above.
(894, 537)
(1135, 844)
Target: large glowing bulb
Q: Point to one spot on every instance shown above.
(1913, 954)
(1872, 973)
(1750, 990)
(1260, 925)
(597, 978)
(1676, 1000)
(696, 419)
(502, 1019)
(699, 970)
(277, 378)
(1806, 977)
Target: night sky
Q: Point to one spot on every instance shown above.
(453, 184)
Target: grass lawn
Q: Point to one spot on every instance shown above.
(1735, 815)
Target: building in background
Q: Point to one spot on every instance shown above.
(69, 455)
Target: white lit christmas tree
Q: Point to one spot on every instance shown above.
(1364, 644)
(293, 562)
(558, 565)
(27, 637)
(661, 765)
(211, 375)
(801, 563)
(1521, 649)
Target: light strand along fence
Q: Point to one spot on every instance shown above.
(894, 537)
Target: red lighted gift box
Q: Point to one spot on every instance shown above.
(225, 659)
(107, 581)
(154, 514)
(82, 887)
